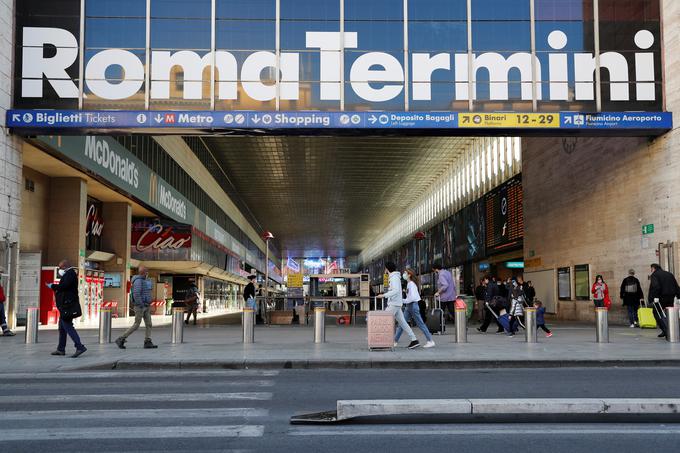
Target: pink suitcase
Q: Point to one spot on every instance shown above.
(380, 330)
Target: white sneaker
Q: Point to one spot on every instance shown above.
(632, 326)
(429, 344)
(396, 344)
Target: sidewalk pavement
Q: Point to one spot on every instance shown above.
(216, 343)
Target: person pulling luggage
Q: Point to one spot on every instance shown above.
(412, 309)
(664, 287)
(395, 302)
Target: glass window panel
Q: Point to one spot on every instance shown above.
(310, 66)
(354, 103)
(116, 8)
(579, 36)
(91, 101)
(564, 283)
(582, 282)
(433, 36)
(294, 33)
(632, 105)
(310, 9)
(629, 10)
(374, 10)
(561, 10)
(381, 36)
(115, 72)
(180, 34)
(500, 10)
(489, 36)
(251, 9)
(547, 105)
(245, 34)
(442, 99)
(437, 10)
(181, 9)
(115, 33)
(309, 99)
(352, 56)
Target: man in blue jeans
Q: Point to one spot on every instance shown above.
(411, 308)
(68, 304)
(446, 289)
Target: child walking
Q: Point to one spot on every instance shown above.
(540, 318)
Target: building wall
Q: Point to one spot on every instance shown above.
(10, 146)
(587, 205)
(35, 213)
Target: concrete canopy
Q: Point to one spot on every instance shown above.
(329, 196)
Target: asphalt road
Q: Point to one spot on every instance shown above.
(249, 410)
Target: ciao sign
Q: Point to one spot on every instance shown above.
(158, 237)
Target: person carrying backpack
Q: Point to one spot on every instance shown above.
(142, 287)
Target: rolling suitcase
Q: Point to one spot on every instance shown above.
(646, 317)
(503, 320)
(662, 315)
(380, 328)
(435, 318)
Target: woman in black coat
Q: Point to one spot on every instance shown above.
(631, 294)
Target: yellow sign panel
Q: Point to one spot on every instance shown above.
(295, 280)
(386, 281)
(509, 120)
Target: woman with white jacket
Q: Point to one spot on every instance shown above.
(395, 302)
(411, 308)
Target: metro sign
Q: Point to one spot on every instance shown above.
(373, 76)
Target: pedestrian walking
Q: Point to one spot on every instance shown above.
(142, 288)
(516, 308)
(412, 309)
(600, 292)
(446, 289)
(529, 292)
(632, 295)
(540, 318)
(395, 302)
(249, 293)
(480, 298)
(491, 296)
(68, 304)
(663, 288)
(3, 318)
(191, 302)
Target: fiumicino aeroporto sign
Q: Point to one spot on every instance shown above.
(252, 68)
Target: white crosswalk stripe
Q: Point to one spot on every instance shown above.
(186, 406)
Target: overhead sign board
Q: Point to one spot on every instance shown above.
(217, 120)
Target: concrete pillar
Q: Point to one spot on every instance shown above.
(116, 237)
(67, 219)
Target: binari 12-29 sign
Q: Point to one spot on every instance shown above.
(373, 76)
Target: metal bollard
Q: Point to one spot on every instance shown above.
(673, 321)
(461, 325)
(248, 325)
(319, 325)
(602, 330)
(32, 321)
(530, 325)
(105, 326)
(177, 334)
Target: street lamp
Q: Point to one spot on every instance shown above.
(266, 236)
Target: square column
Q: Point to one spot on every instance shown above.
(116, 237)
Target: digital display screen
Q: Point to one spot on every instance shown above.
(112, 280)
(505, 217)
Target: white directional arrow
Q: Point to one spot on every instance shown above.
(159, 118)
(372, 119)
(16, 117)
(256, 119)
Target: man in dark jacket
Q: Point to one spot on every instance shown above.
(631, 294)
(662, 289)
(68, 304)
(492, 293)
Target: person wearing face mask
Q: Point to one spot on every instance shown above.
(411, 308)
(141, 299)
(68, 304)
(395, 302)
(600, 292)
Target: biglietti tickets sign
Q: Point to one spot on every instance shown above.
(150, 66)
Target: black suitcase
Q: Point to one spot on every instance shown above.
(435, 318)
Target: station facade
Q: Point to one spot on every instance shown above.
(572, 171)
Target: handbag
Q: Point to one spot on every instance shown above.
(70, 309)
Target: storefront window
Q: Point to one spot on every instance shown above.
(582, 281)
(564, 283)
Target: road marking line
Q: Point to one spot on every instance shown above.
(134, 397)
(133, 414)
(65, 375)
(131, 432)
(135, 384)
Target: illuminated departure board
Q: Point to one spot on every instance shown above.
(505, 217)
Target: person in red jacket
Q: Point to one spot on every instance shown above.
(600, 292)
(3, 319)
